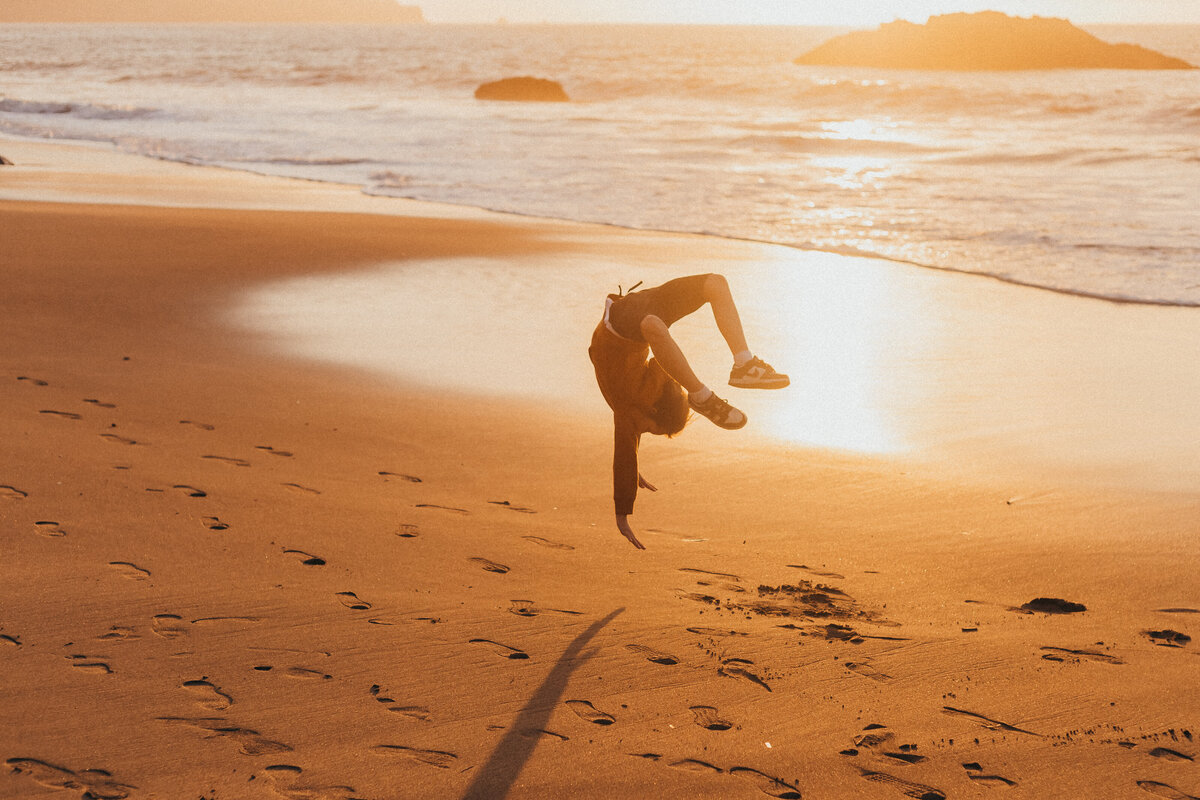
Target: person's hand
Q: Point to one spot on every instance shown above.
(627, 532)
(645, 484)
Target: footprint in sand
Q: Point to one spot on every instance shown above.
(119, 633)
(919, 791)
(190, 491)
(49, 528)
(655, 656)
(723, 575)
(208, 695)
(249, 742)
(11, 639)
(441, 759)
(1168, 638)
(538, 540)
(1063, 654)
(231, 461)
(89, 664)
(214, 523)
(766, 784)
(489, 566)
(273, 451)
(406, 530)
(99, 403)
(442, 508)
(588, 712)
(62, 414)
(299, 673)
(701, 631)
(696, 765)
(867, 671)
(226, 621)
(501, 649)
(284, 780)
(526, 608)
(204, 426)
(819, 573)
(12, 492)
(511, 507)
(708, 718)
(352, 601)
(1165, 790)
(95, 784)
(412, 712)
(34, 381)
(543, 734)
(169, 626)
(295, 487)
(987, 722)
(1170, 755)
(306, 674)
(307, 559)
(130, 570)
(740, 668)
(112, 437)
(387, 476)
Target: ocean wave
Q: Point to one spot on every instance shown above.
(79, 110)
(305, 162)
(829, 145)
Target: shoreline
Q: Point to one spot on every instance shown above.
(302, 581)
(467, 210)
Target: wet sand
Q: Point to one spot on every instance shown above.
(235, 572)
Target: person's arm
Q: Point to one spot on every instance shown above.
(625, 472)
(627, 532)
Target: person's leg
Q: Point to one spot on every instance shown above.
(729, 322)
(666, 351)
(671, 359)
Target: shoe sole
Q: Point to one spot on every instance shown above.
(776, 383)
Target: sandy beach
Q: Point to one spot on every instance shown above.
(232, 571)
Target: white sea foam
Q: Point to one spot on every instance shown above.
(1083, 182)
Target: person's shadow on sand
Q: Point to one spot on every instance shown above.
(497, 776)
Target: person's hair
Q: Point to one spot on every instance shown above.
(671, 410)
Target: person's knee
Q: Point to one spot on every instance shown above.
(716, 286)
(654, 329)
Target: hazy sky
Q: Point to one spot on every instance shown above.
(797, 12)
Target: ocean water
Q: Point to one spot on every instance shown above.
(1079, 181)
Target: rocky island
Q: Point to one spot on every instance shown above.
(523, 89)
(987, 40)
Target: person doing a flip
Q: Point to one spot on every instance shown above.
(653, 395)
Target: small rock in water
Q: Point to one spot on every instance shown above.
(523, 89)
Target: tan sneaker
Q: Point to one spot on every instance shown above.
(757, 374)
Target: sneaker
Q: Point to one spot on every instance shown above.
(721, 413)
(757, 374)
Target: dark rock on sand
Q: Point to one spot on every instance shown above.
(987, 40)
(523, 89)
(1053, 605)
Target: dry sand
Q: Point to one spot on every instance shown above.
(228, 574)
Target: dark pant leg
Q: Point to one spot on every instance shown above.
(670, 302)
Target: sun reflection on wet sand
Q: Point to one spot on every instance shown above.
(884, 359)
(831, 321)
